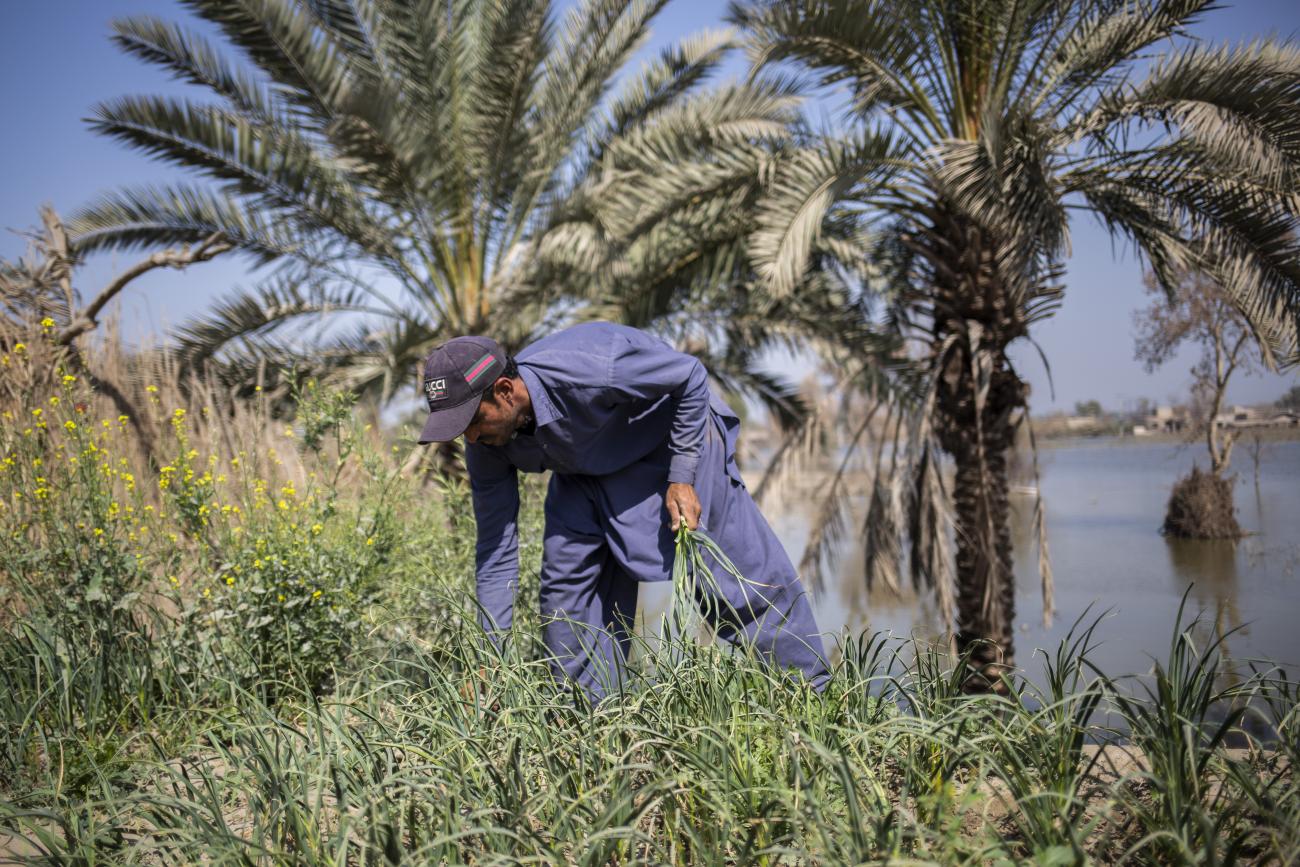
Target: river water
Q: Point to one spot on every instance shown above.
(1105, 501)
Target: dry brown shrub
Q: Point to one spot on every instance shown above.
(1201, 507)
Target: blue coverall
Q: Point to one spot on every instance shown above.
(619, 415)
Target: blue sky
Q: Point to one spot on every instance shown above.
(56, 62)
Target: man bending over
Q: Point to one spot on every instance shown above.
(637, 445)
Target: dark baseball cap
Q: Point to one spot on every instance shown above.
(456, 376)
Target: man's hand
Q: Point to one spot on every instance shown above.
(683, 506)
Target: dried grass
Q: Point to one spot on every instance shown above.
(1201, 507)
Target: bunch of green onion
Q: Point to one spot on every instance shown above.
(697, 562)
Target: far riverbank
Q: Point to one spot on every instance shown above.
(1245, 437)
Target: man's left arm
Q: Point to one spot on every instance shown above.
(643, 367)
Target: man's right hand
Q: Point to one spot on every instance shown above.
(683, 506)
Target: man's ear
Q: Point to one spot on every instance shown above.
(503, 391)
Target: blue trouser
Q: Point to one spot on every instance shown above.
(605, 533)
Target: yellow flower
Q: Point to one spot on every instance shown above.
(315, 529)
(315, 594)
(54, 400)
(279, 597)
(47, 322)
(230, 580)
(370, 541)
(99, 531)
(20, 348)
(152, 389)
(207, 591)
(288, 432)
(122, 419)
(68, 379)
(37, 412)
(172, 578)
(70, 425)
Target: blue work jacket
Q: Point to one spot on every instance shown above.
(604, 396)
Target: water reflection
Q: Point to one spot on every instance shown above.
(1209, 570)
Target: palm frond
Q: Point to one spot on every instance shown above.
(190, 57)
(267, 308)
(278, 170)
(871, 45)
(805, 186)
(677, 70)
(287, 42)
(830, 522)
(1100, 41)
(142, 217)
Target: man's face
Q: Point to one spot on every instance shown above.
(497, 418)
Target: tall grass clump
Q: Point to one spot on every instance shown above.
(270, 654)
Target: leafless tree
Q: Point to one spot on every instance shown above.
(38, 294)
(1199, 312)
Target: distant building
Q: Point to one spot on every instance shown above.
(1235, 416)
(1165, 419)
(1242, 417)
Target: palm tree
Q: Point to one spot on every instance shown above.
(976, 128)
(422, 168)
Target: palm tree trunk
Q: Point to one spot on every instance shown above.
(977, 405)
(986, 599)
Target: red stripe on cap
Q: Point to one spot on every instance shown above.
(482, 365)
